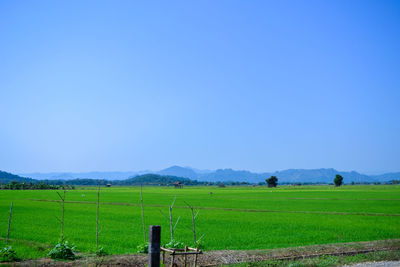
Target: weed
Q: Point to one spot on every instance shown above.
(63, 251)
(8, 254)
(143, 248)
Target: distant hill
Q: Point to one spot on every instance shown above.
(286, 176)
(387, 176)
(156, 179)
(83, 175)
(323, 175)
(145, 179)
(180, 172)
(319, 176)
(223, 175)
(6, 177)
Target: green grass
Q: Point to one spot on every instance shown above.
(280, 217)
(327, 261)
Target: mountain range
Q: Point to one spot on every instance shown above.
(224, 175)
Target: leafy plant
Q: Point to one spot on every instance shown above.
(63, 251)
(200, 244)
(8, 254)
(143, 248)
(175, 244)
(100, 252)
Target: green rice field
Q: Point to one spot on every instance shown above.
(231, 217)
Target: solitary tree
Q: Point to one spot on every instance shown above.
(272, 181)
(338, 180)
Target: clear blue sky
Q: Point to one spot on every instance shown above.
(257, 85)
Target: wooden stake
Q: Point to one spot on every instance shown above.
(193, 223)
(195, 258)
(62, 217)
(194, 227)
(170, 224)
(97, 218)
(9, 223)
(154, 245)
(186, 248)
(141, 202)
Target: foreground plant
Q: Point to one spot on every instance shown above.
(100, 252)
(8, 254)
(63, 251)
(175, 244)
(143, 248)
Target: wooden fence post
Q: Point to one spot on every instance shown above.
(154, 245)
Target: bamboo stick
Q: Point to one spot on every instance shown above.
(9, 223)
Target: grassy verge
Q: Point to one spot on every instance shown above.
(327, 260)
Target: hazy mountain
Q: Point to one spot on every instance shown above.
(284, 176)
(223, 175)
(319, 176)
(83, 175)
(387, 176)
(232, 175)
(180, 171)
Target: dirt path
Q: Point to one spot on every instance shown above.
(376, 264)
(221, 257)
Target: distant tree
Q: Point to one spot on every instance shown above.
(272, 181)
(395, 181)
(338, 180)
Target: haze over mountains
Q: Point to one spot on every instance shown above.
(284, 176)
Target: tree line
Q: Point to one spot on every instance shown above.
(14, 185)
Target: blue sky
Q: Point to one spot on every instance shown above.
(257, 85)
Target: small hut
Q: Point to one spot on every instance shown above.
(108, 185)
(178, 185)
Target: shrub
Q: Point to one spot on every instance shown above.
(63, 251)
(8, 254)
(200, 245)
(143, 248)
(175, 244)
(100, 252)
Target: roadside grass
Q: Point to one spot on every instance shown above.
(235, 218)
(327, 261)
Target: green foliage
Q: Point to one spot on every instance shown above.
(272, 181)
(175, 244)
(200, 244)
(63, 251)
(143, 248)
(338, 180)
(100, 252)
(13, 185)
(7, 254)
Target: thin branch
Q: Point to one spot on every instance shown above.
(166, 217)
(177, 222)
(57, 219)
(60, 196)
(187, 204)
(173, 202)
(200, 238)
(197, 214)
